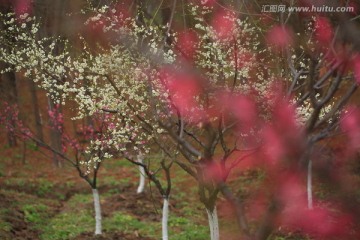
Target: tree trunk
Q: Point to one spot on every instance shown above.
(239, 209)
(213, 224)
(24, 152)
(36, 109)
(309, 185)
(8, 89)
(165, 218)
(97, 207)
(51, 12)
(55, 137)
(141, 186)
(9, 94)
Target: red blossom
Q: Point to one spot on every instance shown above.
(280, 36)
(187, 44)
(56, 118)
(96, 27)
(122, 10)
(22, 6)
(183, 89)
(320, 222)
(323, 30)
(283, 137)
(285, 117)
(356, 67)
(243, 58)
(274, 146)
(214, 172)
(223, 24)
(291, 191)
(9, 119)
(244, 109)
(355, 5)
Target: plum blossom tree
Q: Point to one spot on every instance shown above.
(222, 93)
(73, 150)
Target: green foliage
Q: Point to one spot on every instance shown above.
(109, 180)
(67, 225)
(76, 218)
(113, 191)
(41, 186)
(21, 182)
(32, 146)
(79, 199)
(118, 163)
(5, 226)
(36, 214)
(60, 196)
(19, 207)
(44, 187)
(178, 221)
(127, 223)
(2, 174)
(199, 233)
(187, 229)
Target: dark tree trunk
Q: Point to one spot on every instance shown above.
(55, 136)
(36, 109)
(8, 90)
(9, 95)
(52, 13)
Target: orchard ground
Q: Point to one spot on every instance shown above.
(38, 201)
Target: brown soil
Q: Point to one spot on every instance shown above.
(142, 206)
(20, 229)
(112, 236)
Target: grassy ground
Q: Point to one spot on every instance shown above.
(38, 201)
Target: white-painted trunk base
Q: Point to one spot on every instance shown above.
(213, 224)
(165, 219)
(141, 186)
(98, 224)
(309, 185)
